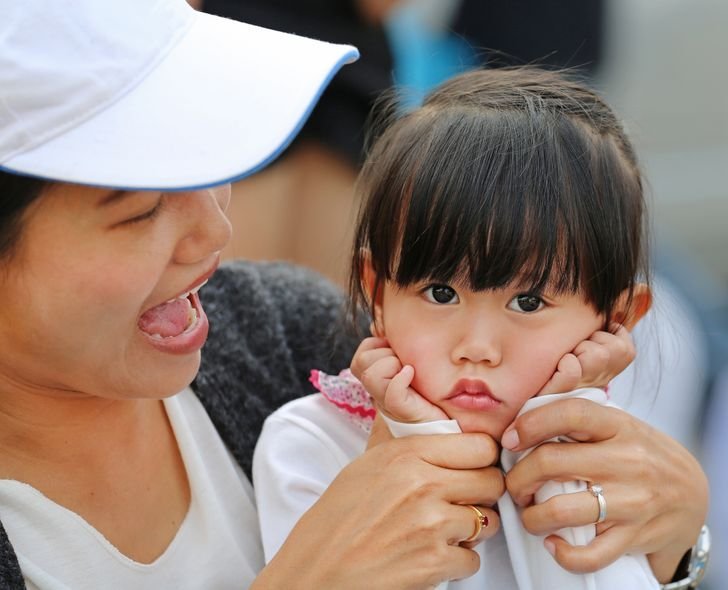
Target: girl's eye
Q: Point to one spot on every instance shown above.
(441, 294)
(526, 303)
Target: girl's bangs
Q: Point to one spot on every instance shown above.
(491, 216)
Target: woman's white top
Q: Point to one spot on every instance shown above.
(217, 546)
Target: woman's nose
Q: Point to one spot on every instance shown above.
(208, 229)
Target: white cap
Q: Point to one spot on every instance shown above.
(150, 94)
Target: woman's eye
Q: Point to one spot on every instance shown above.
(441, 294)
(526, 303)
(151, 213)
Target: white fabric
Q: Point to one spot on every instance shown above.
(302, 448)
(150, 93)
(217, 545)
(305, 444)
(534, 567)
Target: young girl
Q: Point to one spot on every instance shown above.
(499, 252)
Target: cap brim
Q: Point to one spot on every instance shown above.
(225, 101)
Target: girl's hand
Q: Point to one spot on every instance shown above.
(388, 382)
(656, 492)
(594, 362)
(405, 532)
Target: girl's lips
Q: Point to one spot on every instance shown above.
(472, 394)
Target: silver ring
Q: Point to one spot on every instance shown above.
(598, 492)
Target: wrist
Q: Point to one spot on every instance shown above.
(691, 566)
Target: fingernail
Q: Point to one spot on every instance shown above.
(510, 439)
(550, 547)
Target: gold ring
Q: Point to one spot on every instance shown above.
(480, 522)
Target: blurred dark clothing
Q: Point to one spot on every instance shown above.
(339, 117)
(563, 33)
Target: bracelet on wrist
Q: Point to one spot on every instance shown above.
(692, 568)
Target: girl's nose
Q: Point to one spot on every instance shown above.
(208, 229)
(479, 344)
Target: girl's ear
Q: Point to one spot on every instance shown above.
(628, 313)
(374, 294)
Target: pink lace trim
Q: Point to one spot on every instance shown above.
(348, 394)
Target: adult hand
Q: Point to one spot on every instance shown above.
(395, 518)
(656, 492)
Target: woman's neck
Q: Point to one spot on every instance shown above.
(115, 463)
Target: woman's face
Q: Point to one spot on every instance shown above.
(83, 307)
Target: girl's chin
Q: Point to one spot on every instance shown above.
(478, 424)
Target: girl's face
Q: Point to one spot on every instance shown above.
(480, 355)
(89, 265)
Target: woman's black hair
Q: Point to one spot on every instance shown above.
(16, 194)
(518, 174)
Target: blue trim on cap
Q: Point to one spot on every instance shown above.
(346, 58)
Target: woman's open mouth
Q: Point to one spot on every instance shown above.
(178, 325)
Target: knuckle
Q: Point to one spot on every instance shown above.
(546, 457)
(561, 511)
(584, 563)
(580, 414)
(578, 560)
(601, 355)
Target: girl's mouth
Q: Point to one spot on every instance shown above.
(472, 394)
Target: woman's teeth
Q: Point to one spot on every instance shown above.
(186, 295)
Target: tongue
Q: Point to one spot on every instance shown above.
(167, 319)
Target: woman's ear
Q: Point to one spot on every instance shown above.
(373, 289)
(628, 312)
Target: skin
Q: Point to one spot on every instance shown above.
(81, 418)
(478, 356)
(662, 526)
(77, 368)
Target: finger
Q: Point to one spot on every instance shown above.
(376, 376)
(372, 342)
(579, 419)
(567, 511)
(603, 550)
(557, 462)
(362, 361)
(449, 451)
(619, 342)
(565, 378)
(488, 529)
(458, 563)
(593, 356)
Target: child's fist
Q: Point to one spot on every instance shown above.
(388, 382)
(594, 362)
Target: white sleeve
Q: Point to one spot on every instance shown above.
(295, 460)
(401, 429)
(533, 566)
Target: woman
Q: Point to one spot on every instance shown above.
(114, 472)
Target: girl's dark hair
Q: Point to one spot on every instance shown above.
(512, 174)
(16, 194)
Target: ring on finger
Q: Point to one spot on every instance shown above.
(598, 492)
(480, 522)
